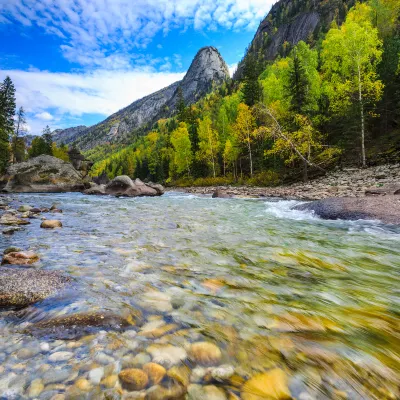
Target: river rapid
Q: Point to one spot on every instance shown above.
(290, 306)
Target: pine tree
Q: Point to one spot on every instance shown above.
(181, 107)
(48, 140)
(7, 111)
(18, 143)
(252, 90)
(297, 85)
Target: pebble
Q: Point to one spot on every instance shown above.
(61, 356)
(56, 375)
(44, 347)
(133, 379)
(110, 381)
(205, 353)
(167, 355)
(96, 374)
(51, 224)
(83, 384)
(103, 359)
(36, 387)
(28, 352)
(155, 372)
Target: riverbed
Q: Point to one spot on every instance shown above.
(284, 299)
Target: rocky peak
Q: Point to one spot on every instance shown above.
(208, 70)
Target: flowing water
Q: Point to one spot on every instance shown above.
(271, 287)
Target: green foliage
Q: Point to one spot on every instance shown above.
(42, 144)
(7, 111)
(350, 56)
(296, 113)
(182, 156)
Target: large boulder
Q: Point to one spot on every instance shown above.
(43, 174)
(383, 208)
(124, 186)
(20, 287)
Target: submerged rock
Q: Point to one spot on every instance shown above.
(51, 224)
(22, 287)
(205, 353)
(43, 174)
(383, 208)
(133, 379)
(270, 385)
(20, 258)
(124, 186)
(77, 325)
(10, 219)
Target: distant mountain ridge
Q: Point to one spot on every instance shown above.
(208, 69)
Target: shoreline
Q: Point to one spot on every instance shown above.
(347, 182)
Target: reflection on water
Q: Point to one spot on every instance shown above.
(287, 304)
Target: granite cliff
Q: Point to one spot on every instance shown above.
(289, 22)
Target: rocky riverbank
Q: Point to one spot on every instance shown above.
(350, 182)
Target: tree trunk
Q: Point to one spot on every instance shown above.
(305, 171)
(251, 158)
(360, 99)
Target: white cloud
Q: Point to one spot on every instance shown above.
(92, 30)
(76, 94)
(44, 116)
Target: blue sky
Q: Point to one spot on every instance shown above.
(75, 62)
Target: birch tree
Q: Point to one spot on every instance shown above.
(350, 56)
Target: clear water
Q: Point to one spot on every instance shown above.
(270, 286)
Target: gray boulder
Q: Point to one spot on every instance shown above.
(20, 287)
(221, 194)
(43, 174)
(382, 208)
(124, 186)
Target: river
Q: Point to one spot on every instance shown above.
(273, 289)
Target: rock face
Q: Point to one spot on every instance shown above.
(207, 69)
(383, 208)
(43, 174)
(68, 135)
(290, 22)
(20, 287)
(124, 186)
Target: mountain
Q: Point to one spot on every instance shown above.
(291, 21)
(69, 135)
(208, 69)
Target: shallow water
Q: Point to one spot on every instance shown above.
(271, 287)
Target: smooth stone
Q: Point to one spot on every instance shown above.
(83, 384)
(56, 375)
(167, 355)
(96, 374)
(28, 352)
(269, 385)
(133, 379)
(44, 347)
(61, 356)
(155, 372)
(36, 387)
(103, 359)
(156, 301)
(209, 392)
(51, 224)
(205, 353)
